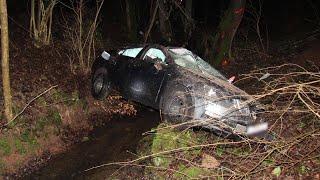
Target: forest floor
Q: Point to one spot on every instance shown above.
(67, 113)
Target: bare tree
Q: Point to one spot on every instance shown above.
(81, 35)
(164, 8)
(41, 21)
(5, 60)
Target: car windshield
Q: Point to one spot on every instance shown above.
(187, 59)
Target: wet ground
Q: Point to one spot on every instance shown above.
(115, 142)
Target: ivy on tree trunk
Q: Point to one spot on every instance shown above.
(227, 29)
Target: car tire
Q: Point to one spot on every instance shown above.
(101, 85)
(177, 106)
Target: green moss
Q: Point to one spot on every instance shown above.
(42, 101)
(303, 170)
(20, 147)
(167, 139)
(268, 162)
(189, 172)
(5, 147)
(25, 135)
(29, 139)
(58, 95)
(145, 144)
(54, 118)
(2, 167)
(219, 151)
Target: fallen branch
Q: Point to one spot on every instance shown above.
(28, 104)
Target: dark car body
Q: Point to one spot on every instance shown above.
(150, 75)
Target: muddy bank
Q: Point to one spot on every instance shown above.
(117, 141)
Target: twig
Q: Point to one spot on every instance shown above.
(28, 104)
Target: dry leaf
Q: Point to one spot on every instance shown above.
(209, 161)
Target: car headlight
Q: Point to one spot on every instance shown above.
(219, 105)
(216, 104)
(215, 110)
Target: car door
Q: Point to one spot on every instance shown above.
(147, 74)
(126, 58)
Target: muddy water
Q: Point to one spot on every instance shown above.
(115, 142)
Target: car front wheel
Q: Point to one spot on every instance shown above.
(101, 85)
(177, 105)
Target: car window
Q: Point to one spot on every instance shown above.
(185, 58)
(154, 53)
(132, 52)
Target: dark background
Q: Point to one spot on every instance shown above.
(282, 18)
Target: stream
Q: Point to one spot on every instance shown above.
(115, 142)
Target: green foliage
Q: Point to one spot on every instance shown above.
(167, 139)
(240, 151)
(303, 169)
(20, 147)
(5, 147)
(2, 167)
(59, 95)
(276, 171)
(219, 151)
(54, 117)
(42, 101)
(189, 172)
(28, 137)
(268, 162)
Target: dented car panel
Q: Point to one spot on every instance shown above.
(151, 73)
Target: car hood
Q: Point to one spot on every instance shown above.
(191, 78)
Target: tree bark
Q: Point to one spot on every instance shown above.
(164, 22)
(5, 60)
(131, 19)
(189, 7)
(153, 14)
(226, 31)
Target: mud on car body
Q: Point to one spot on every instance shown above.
(186, 89)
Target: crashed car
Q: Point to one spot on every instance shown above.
(184, 87)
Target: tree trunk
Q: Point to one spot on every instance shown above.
(187, 21)
(189, 7)
(226, 31)
(153, 14)
(164, 22)
(5, 60)
(131, 19)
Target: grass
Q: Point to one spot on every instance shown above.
(24, 136)
(5, 148)
(166, 139)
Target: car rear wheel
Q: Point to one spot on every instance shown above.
(177, 106)
(101, 85)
